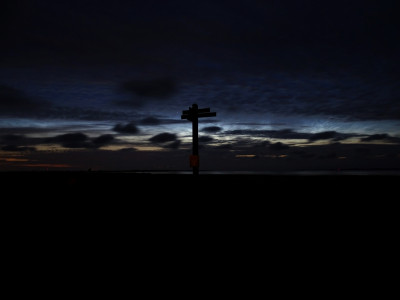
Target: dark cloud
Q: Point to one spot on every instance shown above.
(163, 137)
(150, 121)
(103, 140)
(376, 137)
(205, 139)
(14, 148)
(71, 140)
(244, 142)
(381, 137)
(14, 102)
(143, 90)
(19, 141)
(342, 137)
(70, 137)
(325, 135)
(128, 128)
(79, 140)
(263, 144)
(12, 138)
(262, 124)
(290, 134)
(278, 146)
(211, 129)
(173, 145)
(224, 146)
(153, 121)
(279, 134)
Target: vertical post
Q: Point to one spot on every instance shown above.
(195, 136)
(193, 115)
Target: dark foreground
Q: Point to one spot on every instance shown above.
(288, 200)
(176, 186)
(282, 201)
(145, 200)
(124, 196)
(224, 226)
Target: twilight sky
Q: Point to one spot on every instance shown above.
(296, 84)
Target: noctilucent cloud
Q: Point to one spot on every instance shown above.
(297, 85)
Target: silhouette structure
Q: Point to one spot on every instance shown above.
(193, 115)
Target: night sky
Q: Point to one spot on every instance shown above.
(296, 84)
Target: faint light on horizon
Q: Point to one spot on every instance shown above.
(150, 148)
(12, 159)
(47, 165)
(245, 155)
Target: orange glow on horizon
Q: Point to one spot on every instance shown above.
(14, 159)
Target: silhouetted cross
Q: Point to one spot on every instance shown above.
(193, 115)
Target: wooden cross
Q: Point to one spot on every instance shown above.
(193, 115)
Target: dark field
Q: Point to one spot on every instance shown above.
(201, 210)
(208, 186)
(289, 222)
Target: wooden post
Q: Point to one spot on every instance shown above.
(195, 139)
(193, 115)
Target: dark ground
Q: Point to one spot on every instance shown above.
(206, 198)
(207, 203)
(204, 201)
(325, 231)
(204, 187)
